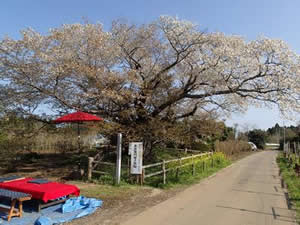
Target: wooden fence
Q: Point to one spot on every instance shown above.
(291, 151)
(186, 150)
(93, 163)
(291, 148)
(164, 169)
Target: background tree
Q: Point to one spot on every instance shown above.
(258, 137)
(290, 133)
(275, 133)
(139, 77)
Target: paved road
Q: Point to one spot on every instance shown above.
(247, 193)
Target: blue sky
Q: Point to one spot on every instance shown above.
(276, 19)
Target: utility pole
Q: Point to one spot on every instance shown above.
(235, 131)
(278, 135)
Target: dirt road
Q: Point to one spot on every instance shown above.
(247, 193)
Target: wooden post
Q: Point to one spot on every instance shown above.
(128, 167)
(119, 159)
(297, 147)
(177, 171)
(90, 168)
(164, 171)
(143, 176)
(185, 150)
(193, 169)
(137, 178)
(298, 151)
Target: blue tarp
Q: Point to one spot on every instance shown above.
(72, 209)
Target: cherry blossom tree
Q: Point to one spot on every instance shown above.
(146, 75)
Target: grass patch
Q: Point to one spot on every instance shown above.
(203, 168)
(292, 181)
(108, 193)
(160, 154)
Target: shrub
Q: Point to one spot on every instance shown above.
(232, 147)
(200, 146)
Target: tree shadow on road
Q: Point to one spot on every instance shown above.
(275, 215)
(258, 192)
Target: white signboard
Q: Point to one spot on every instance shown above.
(136, 152)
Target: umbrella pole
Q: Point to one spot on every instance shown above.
(78, 132)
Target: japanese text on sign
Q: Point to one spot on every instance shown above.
(136, 152)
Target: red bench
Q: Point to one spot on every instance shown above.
(47, 194)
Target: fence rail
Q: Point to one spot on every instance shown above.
(163, 166)
(104, 163)
(93, 163)
(184, 149)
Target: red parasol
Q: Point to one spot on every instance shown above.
(77, 117)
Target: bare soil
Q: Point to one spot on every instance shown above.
(113, 213)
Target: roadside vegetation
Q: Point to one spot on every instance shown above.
(204, 167)
(291, 179)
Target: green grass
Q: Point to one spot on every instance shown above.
(185, 176)
(292, 181)
(108, 193)
(160, 154)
